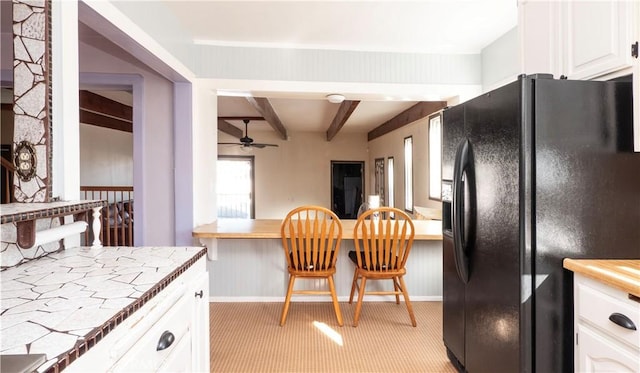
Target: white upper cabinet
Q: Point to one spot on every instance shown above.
(597, 37)
(538, 25)
(578, 39)
(587, 40)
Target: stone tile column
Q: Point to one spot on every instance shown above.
(32, 100)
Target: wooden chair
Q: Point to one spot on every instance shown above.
(311, 237)
(382, 238)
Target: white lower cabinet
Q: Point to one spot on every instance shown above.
(170, 333)
(180, 359)
(604, 317)
(145, 354)
(597, 353)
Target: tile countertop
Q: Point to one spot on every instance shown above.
(55, 303)
(16, 212)
(621, 274)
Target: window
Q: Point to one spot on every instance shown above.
(408, 173)
(235, 187)
(379, 180)
(390, 180)
(435, 156)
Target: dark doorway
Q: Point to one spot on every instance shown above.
(347, 188)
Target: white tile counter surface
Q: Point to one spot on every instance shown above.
(51, 304)
(28, 211)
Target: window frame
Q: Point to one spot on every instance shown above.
(391, 190)
(379, 179)
(437, 194)
(408, 174)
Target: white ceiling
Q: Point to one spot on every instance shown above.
(427, 26)
(431, 26)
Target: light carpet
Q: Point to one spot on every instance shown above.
(247, 337)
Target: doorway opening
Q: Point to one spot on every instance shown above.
(347, 188)
(235, 187)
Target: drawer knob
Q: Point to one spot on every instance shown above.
(199, 294)
(166, 340)
(622, 320)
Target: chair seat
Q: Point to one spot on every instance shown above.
(301, 265)
(353, 255)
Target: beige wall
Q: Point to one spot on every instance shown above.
(106, 156)
(392, 145)
(298, 172)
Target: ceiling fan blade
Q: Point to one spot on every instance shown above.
(230, 143)
(258, 145)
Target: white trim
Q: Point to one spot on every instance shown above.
(352, 91)
(447, 50)
(183, 162)
(110, 22)
(344, 299)
(64, 175)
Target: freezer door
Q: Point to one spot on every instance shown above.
(453, 287)
(492, 296)
(452, 304)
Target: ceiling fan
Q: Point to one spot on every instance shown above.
(247, 142)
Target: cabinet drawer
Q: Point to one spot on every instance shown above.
(180, 358)
(597, 302)
(143, 356)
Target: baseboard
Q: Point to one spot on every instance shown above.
(423, 298)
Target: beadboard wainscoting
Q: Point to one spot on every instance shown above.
(254, 270)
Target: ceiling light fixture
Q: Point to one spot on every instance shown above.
(335, 98)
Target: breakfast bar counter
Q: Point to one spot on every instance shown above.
(270, 228)
(247, 261)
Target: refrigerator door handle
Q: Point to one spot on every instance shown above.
(462, 162)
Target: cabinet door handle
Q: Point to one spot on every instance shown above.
(166, 340)
(622, 320)
(199, 294)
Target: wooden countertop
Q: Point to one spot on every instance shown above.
(270, 228)
(621, 274)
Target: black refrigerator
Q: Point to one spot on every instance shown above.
(533, 172)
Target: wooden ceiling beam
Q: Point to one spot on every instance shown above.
(90, 101)
(89, 117)
(229, 128)
(240, 117)
(418, 111)
(263, 106)
(344, 112)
